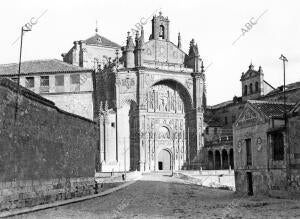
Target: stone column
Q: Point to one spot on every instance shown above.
(214, 159)
(101, 140)
(106, 136)
(198, 78)
(228, 158)
(221, 159)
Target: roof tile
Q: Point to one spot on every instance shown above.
(100, 40)
(271, 109)
(40, 66)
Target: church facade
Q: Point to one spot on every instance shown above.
(150, 104)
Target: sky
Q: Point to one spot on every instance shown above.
(230, 34)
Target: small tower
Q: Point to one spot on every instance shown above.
(75, 53)
(139, 47)
(128, 52)
(252, 83)
(179, 41)
(194, 60)
(160, 27)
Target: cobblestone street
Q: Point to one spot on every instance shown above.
(162, 196)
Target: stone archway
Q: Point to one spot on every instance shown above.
(210, 160)
(225, 164)
(164, 160)
(168, 104)
(231, 161)
(217, 160)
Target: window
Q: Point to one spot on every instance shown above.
(226, 120)
(207, 130)
(233, 118)
(59, 80)
(75, 82)
(59, 83)
(256, 86)
(245, 90)
(277, 146)
(162, 31)
(45, 81)
(251, 89)
(75, 79)
(44, 84)
(215, 130)
(248, 152)
(29, 82)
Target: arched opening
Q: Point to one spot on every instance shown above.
(245, 90)
(256, 87)
(164, 160)
(231, 158)
(277, 144)
(168, 104)
(177, 87)
(225, 159)
(162, 31)
(217, 160)
(210, 160)
(251, 89)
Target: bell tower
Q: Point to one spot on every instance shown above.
(160, 28)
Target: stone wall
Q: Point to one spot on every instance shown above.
(268, 175)
(77, 101)
(264, 181)
(294, 141)
(259, 151)
(46, 154)
(294, 181)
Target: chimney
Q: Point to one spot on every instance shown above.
(75, 54)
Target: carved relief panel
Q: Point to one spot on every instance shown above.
(126, 83)
(162, 98)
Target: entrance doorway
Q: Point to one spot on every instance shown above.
(250, 183)
(160, 165)
(164, 160)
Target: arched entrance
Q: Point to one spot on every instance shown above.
(231, 158)
(165, 125)
(225, 160)
(217, 160)
(164, 160)
(210, 160)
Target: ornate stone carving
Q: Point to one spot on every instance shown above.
(148, 52)
(118, 81)
(248, 116)
(162, 98)
(239, 146)
(148, 79)
(189, 83)
(128, 82)
(163, 133)
(259, 143)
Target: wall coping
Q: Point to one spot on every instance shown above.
(7, 83)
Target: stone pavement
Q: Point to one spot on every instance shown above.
(162, 196)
